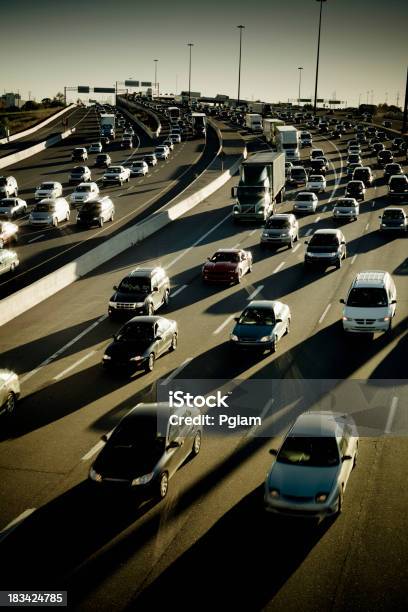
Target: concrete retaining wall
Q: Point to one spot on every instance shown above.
(36, 127)
(9, 160)
(145, 128)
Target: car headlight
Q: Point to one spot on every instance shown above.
(383, 225)
(401, 224)
(321, 497)
(384, 319)
(139, 304)
(285, 234)
(275, 493)
(346, 319)
(265, 339)
(94, 475)
(137, 358)
(265, 234)
(107, 357)
(111, 304)
(142, 479)
(234, 337)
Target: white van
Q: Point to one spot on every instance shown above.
(50, 212)
(371, 303)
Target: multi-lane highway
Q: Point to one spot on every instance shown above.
(211, 531)
(42, 250)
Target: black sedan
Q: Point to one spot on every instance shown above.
(140, 342)
(147, 447)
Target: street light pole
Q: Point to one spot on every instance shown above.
(240, 27)
(318, 53)
(300, 68)
(189, 75)
(155, 76)
(405, 116)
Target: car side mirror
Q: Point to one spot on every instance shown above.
(174, 444)
(155, 288)
(105, 437)
(273, 451)
(278, 320)
(159, 337)
(306, 242)
(233, 192)
(346, 458)
(343, 242)
(393, 302)
(115, 287)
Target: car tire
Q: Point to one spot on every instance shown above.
(12, 267)
(10, 403)
(291, 244)
(149, 310)
(173, 344)
(166, 298)
(340, 502)
(100, 222)
(355, 458)
(338, 263)
(196, 444)
(274, 345)
(55, 222)
(287, 330)
(162, 485)
(150, 363)
(239, 277)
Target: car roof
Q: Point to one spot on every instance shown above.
(326, 231)
(282, 216)
(228, 250)
(369, 277)
(318, 423)
(262, 304)
(145, 319)
(145, 271)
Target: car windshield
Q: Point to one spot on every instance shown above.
(399, 182)
(47, 186)
(354, 185)
(324, 240)
(140, 432)
(393, 214)
(225, 256)
(257, 316)
(316, 178)
(83, 188)
(309, 452)
(7, 202)
(298, 172)
(93, 207)
(136, 331)
(44, 207)
(373, 297)
(308, 197)
(345, 203)
(135, 285)
(393, 168)
(137, 165)
(114, 169)
(277, 223)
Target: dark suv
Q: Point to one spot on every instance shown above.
(143, 291)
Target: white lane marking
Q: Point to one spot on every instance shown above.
(74, 365)
(36, 238)
(317, 219)
(391, 415)
(279, 267)
(353, 259)
(15, 523)
(95, 449)
(372, 204)
(326, 310)
(255, 292)
(203, 237)
(179, 290)
(324, 208)
(236, 245)
(23, 379)
(176, 372)
(253, 232)
(367, 226)
(224, 324)
(309, 231)
(296, 248)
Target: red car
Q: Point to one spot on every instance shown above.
(227, 266)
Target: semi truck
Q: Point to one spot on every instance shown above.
(199, 124)
(269, 130)
(287, 141)
(253, 122)
(261, 187)
(107, 122)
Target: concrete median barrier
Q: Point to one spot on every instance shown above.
(129, 105)
(10, 160)
(36, 127)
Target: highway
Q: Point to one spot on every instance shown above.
(42, 250)
(110, 553)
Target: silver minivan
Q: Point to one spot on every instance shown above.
(50, 212)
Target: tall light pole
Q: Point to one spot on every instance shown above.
(300, 68)
(368, 93)
(318, 53)
(359, 99)
(189, 74)
(155, 76)
(405, 116)
(240, 27)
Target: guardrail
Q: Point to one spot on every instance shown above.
(145, 128)
(18, 303)
(36, 127)
(9, 160)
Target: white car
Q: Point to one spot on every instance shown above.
(48, 189)
(84, 192)
(288, 168)
(50, 212)
(354, 149)
(79, 154)
(162, 152)
(316, 183)
(169, 144)
(129, 132)
(8, 187)
(139, 168)
(79, 174)
(12, 207)
(116, 174)
(311, 469)
(346, 208)
(316, 153)
(8, 263)
(175, 137)
(150, 159)
(305, 201)
(95, 147)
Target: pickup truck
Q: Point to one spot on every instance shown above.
(116, 174)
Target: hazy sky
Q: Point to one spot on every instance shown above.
(46, 44)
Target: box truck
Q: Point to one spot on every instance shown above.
(199, 124)
(107, 122)
(253, 122)
(287, 141)
(269, 130)
(261, 186)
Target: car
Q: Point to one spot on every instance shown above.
(139, 168)
(315, 153)
(150, 159)
(354, 158)
(288, 168)
(363, 174)
(316, 183)
(169, 144)
(12, 207)
(8, 187)
(8, 262)
(319, 165)
(280, 229)
(346, 208)
(305, 201)
(127, 142)
(142, 291)
(129, 131)
(305, 139)
(361, 137)
(79, 154)
(392, 169)
(79, 174)
(95, 147)
(48, 189)
(355, 189)
(312, 467)
(105, 140)
(8, 233)
(393, 219)
(175, 137)
(398, 186)
(354, 150)
(227, 266)
(261, 325)
(370, 303)
(144, 451)
(9, 391)
(396, 143)
(297, 176)
(381, 135)
(84, 192)
(376, 147)
(326, 247)
(116, 174)
(96, 212)
(385, 157)
(140, 342)
(162, 152)
(50, 212)
(103, 160)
